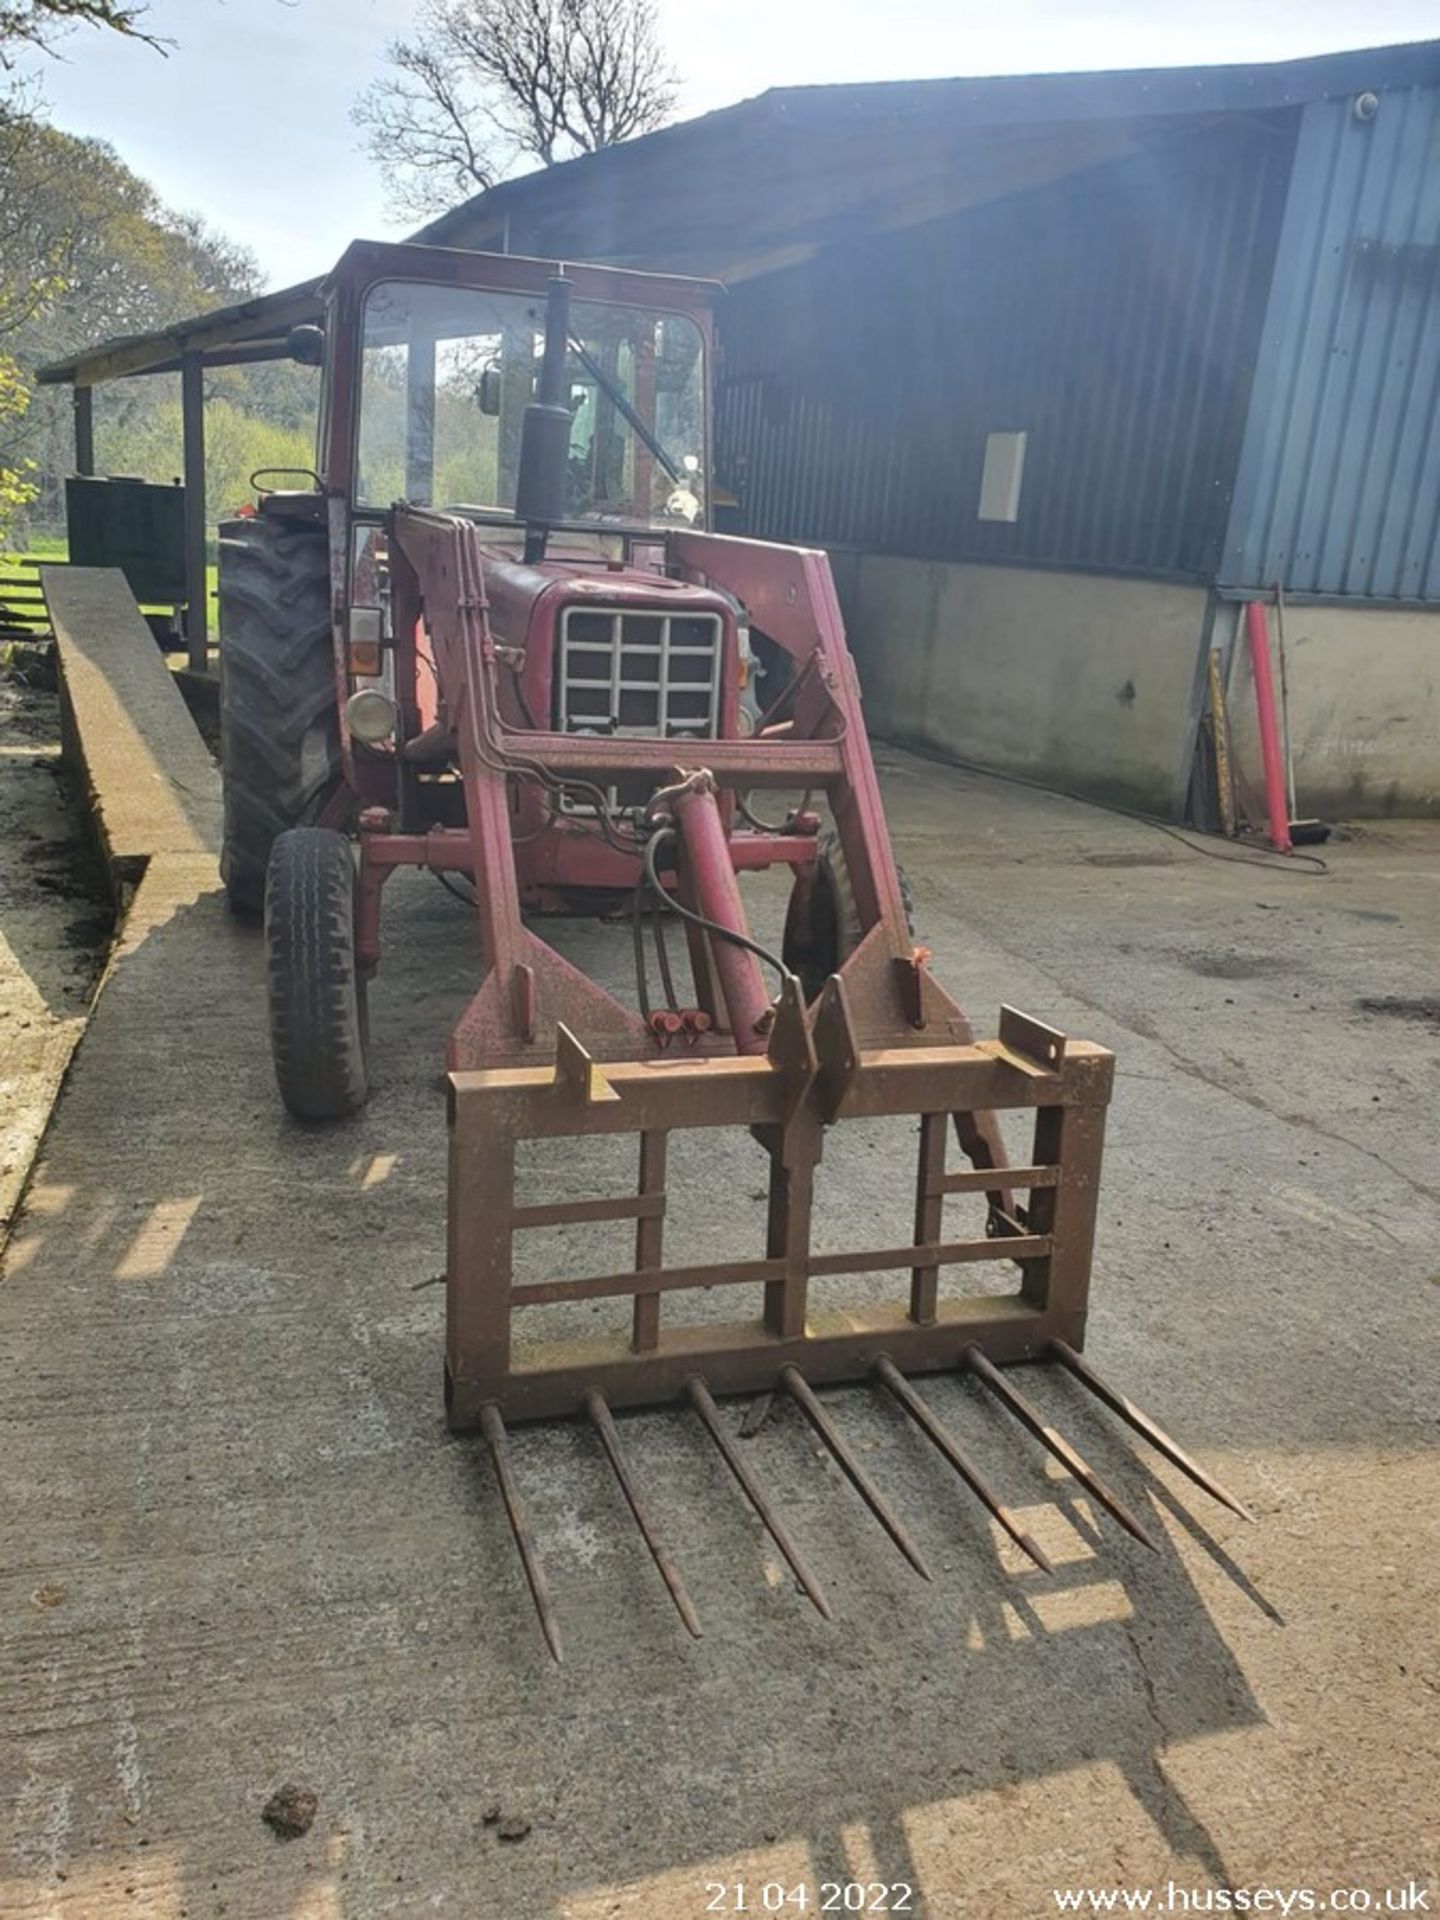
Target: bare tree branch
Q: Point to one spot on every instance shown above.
(425, 131)
(621, 83)
(39, 23)
(485, 84)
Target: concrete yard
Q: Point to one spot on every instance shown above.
(239, 1548)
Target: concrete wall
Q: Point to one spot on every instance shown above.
(1364, 687)
(1084, 682)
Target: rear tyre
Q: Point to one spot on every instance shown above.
(822, 928)
(279, 725)
(318, 1030)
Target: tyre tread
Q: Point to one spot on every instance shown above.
(833, 873)
(279, 725)
(317, 999)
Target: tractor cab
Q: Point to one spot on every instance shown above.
(447, 370)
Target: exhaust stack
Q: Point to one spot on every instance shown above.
(545, 434)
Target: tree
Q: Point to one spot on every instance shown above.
(26, 285)
(113, 258)
(30, 277)
(486, 83)
(88, 251)
(17, 472)
(37, 23)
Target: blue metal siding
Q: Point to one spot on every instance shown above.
(1338, 489)
(1113, 317)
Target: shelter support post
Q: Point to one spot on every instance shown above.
(83, 403)
(192, 400)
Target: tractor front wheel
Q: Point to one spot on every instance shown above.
(318, 1029)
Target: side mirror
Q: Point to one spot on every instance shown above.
(306, 346)
(488, 393)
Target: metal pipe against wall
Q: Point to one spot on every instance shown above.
(1257, 629)
(1285, 732)
(717, 895)
(1220, 735)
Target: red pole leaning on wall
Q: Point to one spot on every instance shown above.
(1257, 628)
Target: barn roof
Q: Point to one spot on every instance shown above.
(761, 185)
(753, 187)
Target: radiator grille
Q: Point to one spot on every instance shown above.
(647, 675)
(639, 673)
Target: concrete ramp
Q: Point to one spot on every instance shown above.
(152, 786)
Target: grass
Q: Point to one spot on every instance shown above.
(42, 549)
(55, 547)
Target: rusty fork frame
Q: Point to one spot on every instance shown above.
(814, 1075)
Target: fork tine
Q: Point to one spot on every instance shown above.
(799, 1390)
(1060, 1447)
(493, 1427)
(705, 1406)
(604, 1423)
(923, 1416)
(1146, 1427)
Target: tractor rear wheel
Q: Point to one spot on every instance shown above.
(822, 928)
(279, 724)
(318, 1029)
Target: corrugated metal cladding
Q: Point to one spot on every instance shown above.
(1112, 318)
(1339, 484)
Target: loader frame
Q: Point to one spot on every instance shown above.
(527, 989)
(542, 1050)
(883, 1038)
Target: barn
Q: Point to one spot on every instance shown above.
(1062, 370)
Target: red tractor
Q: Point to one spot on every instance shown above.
(497, 640)
(368, 640)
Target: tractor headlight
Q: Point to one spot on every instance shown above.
(372, 715)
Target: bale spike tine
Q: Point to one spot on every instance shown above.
(1060, 1447)
(799, 1390)
(704, 1405)
(924, 1418)
(493, 1427)
(604, 1423)
(1146, 1427)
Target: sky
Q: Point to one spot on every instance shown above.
(246, 121)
